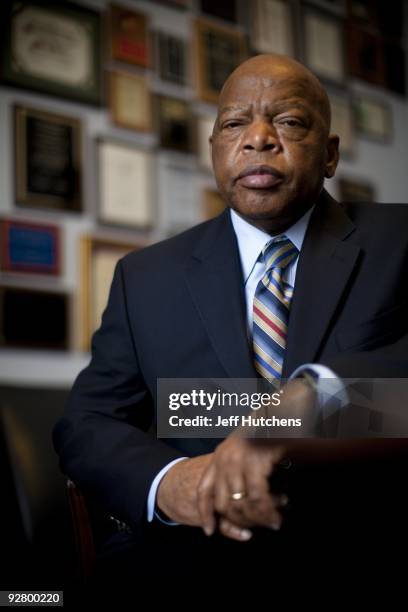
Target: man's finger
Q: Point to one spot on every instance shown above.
(262, 506)
(205, 500)
(229, 530)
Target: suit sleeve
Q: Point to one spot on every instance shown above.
(102, 439)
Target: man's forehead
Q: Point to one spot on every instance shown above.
(245, 90)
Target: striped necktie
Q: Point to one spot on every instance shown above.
(271, 310)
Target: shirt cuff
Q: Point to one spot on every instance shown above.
(329, 386)
(151, 499)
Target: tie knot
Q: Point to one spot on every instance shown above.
(279, 253)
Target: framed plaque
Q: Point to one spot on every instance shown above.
(128, 32)
(365, 52)
(125, 185)
(174, 123)
(213, 204)
(373, 119)
(47, 160)
(355, 190)
(324, 49)
(98, 260)
(227, 9)
(52, 47)
(218, 50)
(33, 319)
(272, 27)
(130, 101)
(32, 248)
(204, 129)
(342, 122)
(171, 58)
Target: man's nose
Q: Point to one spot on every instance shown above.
(261, 136)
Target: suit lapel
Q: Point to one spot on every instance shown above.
(214, 278)
(325, 266)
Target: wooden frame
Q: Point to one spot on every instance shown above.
(130, 101)
(98, 259)
(32, 248)
(69, 33)
(42, 137)
(218, 51)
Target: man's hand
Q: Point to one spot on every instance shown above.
(177, 492)
(177, 496)
(240, 465)
(245, 465)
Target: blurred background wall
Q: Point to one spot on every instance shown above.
(105, 112)
(155, 67)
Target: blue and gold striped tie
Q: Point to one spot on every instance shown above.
(271, 310)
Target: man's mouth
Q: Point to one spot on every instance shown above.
(259, 177)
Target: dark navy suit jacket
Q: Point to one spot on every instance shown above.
(176, 309)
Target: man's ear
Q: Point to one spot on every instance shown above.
(210, 140)
(333, 155)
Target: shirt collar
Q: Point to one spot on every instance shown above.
(252, 240)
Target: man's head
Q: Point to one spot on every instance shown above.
(271, 146)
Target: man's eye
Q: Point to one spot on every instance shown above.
(232, 124)
(291, 122)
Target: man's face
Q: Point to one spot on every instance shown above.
(270, 146)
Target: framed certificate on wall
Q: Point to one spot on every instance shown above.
(218, 51)
(272, 27)
(128, 31)
(125, 184)
(130, 101)
(48, 171)
(52, 47)
(324, 45)
(98, 260)
(32, 248)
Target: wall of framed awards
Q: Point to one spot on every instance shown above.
(105, 112)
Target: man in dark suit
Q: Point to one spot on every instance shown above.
(183, 308)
